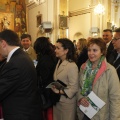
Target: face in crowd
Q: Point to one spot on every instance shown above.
(107, 36)
(96, 49)
(26, 43)
(116, 41)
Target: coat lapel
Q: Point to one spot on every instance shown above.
(29, 51)
(60, 68)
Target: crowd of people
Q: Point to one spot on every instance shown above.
(82, 66)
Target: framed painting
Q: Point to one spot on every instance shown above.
(6, 21)
(39, 19)
(63, 22)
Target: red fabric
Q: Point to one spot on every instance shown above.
(1, 115)
(48, 114)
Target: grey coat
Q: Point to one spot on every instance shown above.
(107, 87)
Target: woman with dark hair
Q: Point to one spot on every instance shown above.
(100, 77)
(46, 60)
(67, 72)
(45, 67)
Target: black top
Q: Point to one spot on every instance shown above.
(82, 57)
(45, 68)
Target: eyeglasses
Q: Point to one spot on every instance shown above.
(115, 39)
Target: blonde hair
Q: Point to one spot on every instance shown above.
(83, 43)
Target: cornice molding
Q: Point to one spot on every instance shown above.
(31, 5)
(80, 11)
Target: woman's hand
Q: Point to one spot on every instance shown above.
(84, 102)
(55, 90)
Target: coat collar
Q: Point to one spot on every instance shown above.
(29, 50)
(102, 69)
(60, 68)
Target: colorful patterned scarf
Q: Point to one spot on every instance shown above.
(89, 76)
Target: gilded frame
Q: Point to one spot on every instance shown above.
(6, 20)
(63, 22)
(39, 20)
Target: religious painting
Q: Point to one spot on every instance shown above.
(39, 20)
(6, 21)
(13, 16)
(63, 22)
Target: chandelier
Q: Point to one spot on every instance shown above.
(99, 9)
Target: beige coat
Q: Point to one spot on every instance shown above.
(65, 109)
(107, 87)
(31, 53)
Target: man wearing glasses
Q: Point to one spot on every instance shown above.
(114, 58)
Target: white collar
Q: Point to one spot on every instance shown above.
(108, 44)
(25, 49)
(11, 53)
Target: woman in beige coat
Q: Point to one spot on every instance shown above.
(100, 77)
(66, 71)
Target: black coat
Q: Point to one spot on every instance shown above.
(18, 89)
(45, 68)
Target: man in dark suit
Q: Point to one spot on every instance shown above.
(114, 58)
(107, 36)
(18, 81)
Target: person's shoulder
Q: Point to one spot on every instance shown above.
(72, 64)
(31, 48)
(110, 67)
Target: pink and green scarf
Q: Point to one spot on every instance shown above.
(89, 76)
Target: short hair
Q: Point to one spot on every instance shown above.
(117, 30)
(10, 37)
(68, 44)
(107, 30)
(100, 42)
(26, 36)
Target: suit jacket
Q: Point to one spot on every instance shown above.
(117, 66)
(31, 53)
(116, 63)
(18, 88)
(2, 63)
(109, 50)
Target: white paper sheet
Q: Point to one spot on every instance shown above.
(95, 105)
